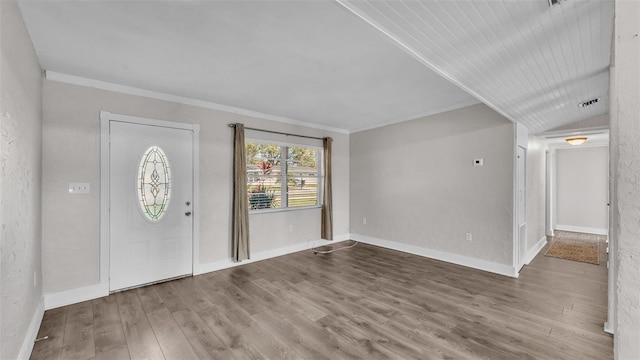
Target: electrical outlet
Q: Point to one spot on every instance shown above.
(469, 237)
(364, 221)
(79, 188)
(290, 228)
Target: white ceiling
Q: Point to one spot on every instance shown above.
(319, 62)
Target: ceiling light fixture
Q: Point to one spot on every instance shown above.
(576, 140)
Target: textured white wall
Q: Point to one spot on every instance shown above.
(625, 156)
(20, 181)
(582, 188)
(416, 184)
(536, 185)
(72, 154)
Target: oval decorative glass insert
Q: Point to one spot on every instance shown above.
(154, 183)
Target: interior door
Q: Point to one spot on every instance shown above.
(522, 205)
(151, 189)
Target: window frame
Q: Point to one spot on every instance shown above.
(284, 168)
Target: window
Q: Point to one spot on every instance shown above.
(269, 166)
(154, 184)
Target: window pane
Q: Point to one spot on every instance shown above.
(257, 153)
(263, 175)
(303, 191)
(264, 192)
(154, 184)
(300, 157)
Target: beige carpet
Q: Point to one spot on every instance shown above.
(575, 246)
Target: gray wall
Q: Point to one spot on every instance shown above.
(625, 159)
(582, 188)
(536, 186)
(416, 184)
(20, 179)
(72, 154)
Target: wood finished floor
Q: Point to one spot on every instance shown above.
(362, 303)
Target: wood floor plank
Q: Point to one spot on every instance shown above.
(171, 297)
(141, 340)
(256, 334)
(365, 302)
(205, 344)
(194, 298)
(229, 333)
(149, 298)
(292, 338)
(78, 340)
(109, 334)
(52, 327)
(172, 340)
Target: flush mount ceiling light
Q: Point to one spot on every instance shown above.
(576, 140)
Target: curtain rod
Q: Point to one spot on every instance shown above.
(278, 132)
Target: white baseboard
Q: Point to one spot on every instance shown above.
(479, 264)
(268, 254)
(32, 332)
(608, 329)
(74, 296)
(535, 250)
(582, 229)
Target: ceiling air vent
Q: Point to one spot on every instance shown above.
(588, 102)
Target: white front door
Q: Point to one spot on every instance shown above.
(151, 190)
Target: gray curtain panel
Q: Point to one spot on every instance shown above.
(240, 236)
(327, 202)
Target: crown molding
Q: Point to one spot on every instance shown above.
(103, 85)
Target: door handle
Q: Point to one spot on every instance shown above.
(188, 213)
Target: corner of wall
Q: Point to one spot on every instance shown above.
(32, 331)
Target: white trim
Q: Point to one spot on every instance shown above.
(607, 328)
(582, 229)
(531, 254)
(474, 263)
(104, 197)
(521, 141)
(74, 296)
(108, 116)
(195, 201)
(268, 254)
(548, 192)
(32, 331)
(419, 115)
(103, 85)
(105, 118)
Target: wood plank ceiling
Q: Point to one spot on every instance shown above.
(532, 62)
(315, 63)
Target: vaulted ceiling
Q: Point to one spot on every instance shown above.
(347, 65)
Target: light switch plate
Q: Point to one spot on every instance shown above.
(79, 188)
(478, 162)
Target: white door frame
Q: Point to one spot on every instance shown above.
(105, 119)
(521, 139)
